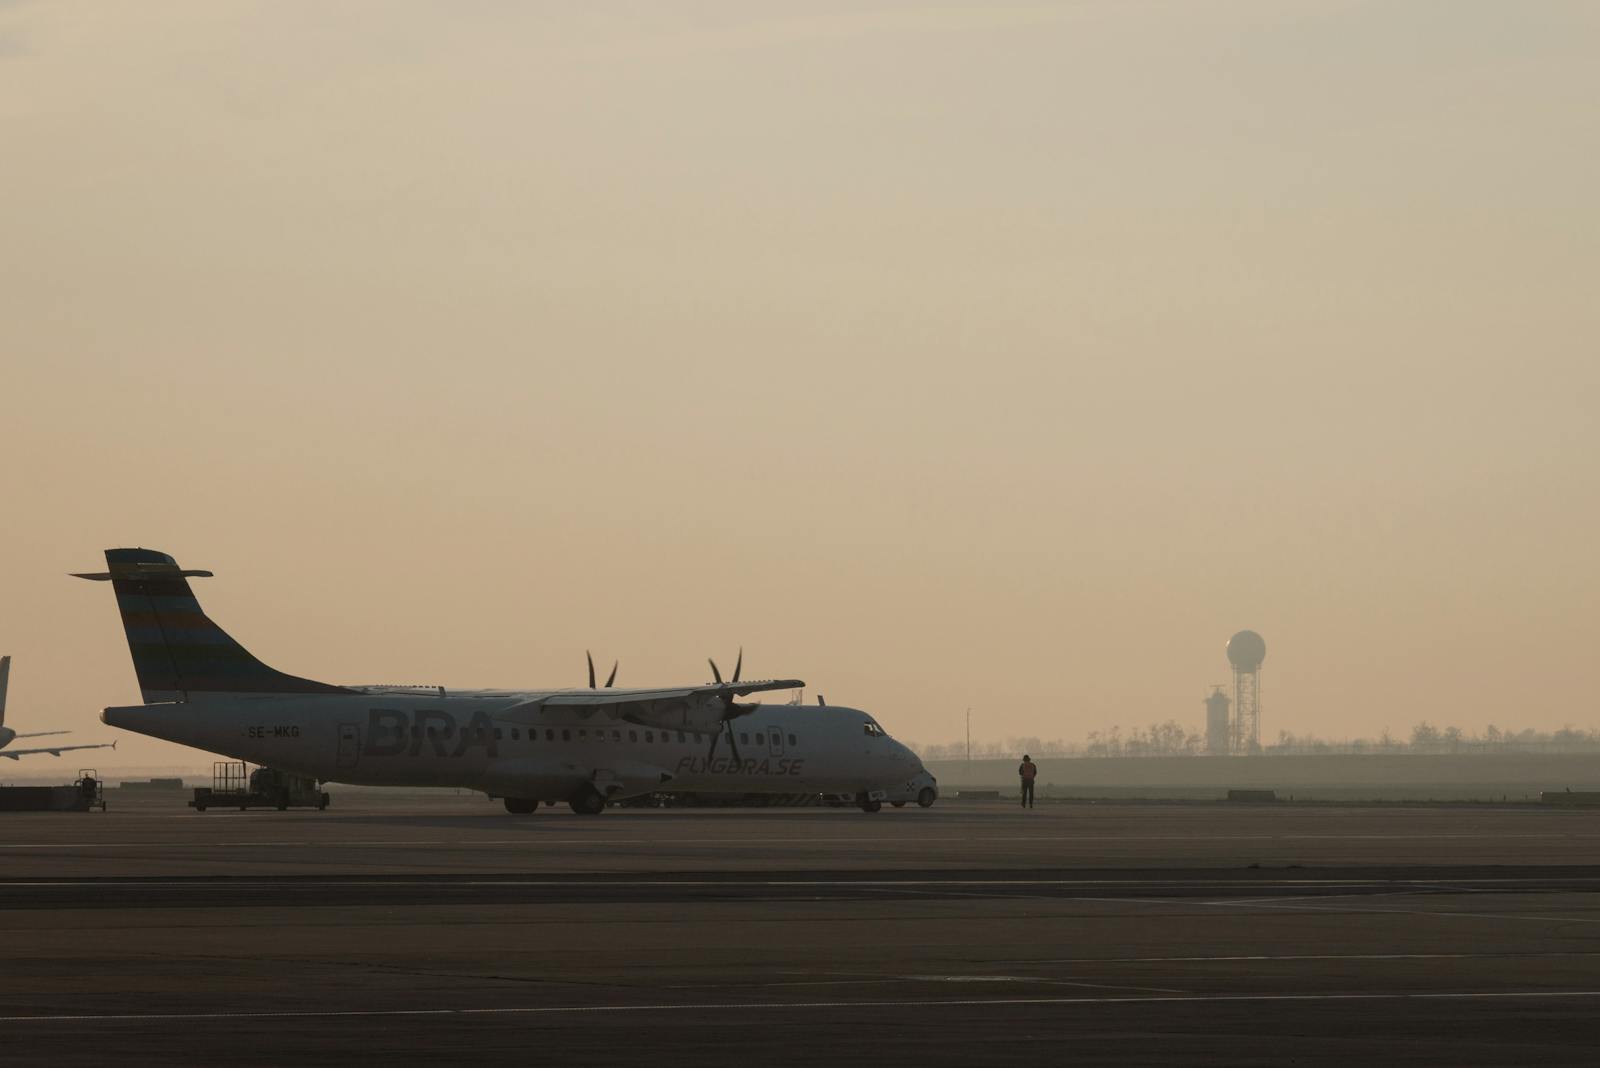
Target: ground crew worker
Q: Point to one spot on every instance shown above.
(1028, 771)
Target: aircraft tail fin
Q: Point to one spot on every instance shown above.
(177, 650)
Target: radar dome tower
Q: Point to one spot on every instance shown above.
(1246, 650)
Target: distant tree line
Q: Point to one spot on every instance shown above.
(1159, 739)
(1173, 739)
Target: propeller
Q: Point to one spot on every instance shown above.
(822, 701)
(732, 709)
(737, 667)
(609, 680)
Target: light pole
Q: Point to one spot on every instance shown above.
(969, 735)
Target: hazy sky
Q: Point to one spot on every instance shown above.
(1009, 356)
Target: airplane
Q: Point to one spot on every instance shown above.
(7, 735)
(584, 747)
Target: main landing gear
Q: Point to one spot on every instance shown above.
(868, 804)
(521, 806)
(587, 802)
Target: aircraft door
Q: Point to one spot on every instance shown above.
(775, 741)
(349, 744)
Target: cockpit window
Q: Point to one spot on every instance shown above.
(872, 730)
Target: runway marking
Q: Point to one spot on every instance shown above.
(533, 839)
(395, 843)
(378, 882)
(1411, 890)
(1043, 980)
(950, 887)
(1269, 958)
(802, 1006)
(1289, 907)
(890, 980)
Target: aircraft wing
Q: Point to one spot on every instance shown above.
(41, 734)
(54, 750)
(605, 698)
(684, 707)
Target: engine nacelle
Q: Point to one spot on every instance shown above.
(703, 713)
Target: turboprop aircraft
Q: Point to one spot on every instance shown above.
(7, 735)
(585, 746)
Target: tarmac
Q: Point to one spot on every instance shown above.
(443, 930)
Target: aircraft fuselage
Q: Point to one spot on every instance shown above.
(462, 740)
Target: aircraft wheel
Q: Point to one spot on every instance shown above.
(898, 804)
(870, 806)
(926, 797)
(587, 802)
(521, 806)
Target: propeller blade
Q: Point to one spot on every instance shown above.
(587, 656)
(821, 701)
(714, 672)
(712, 755)
(734, 749)
(613, 676)
(738, 665)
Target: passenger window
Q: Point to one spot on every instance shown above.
(633, 736)
(516, 735)
(681, 737)
(583, 734)
(792, 741)
(497, 734)
(616, 736)
(566, 735)
(744, 739)
(549, 735)
(649, 736)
